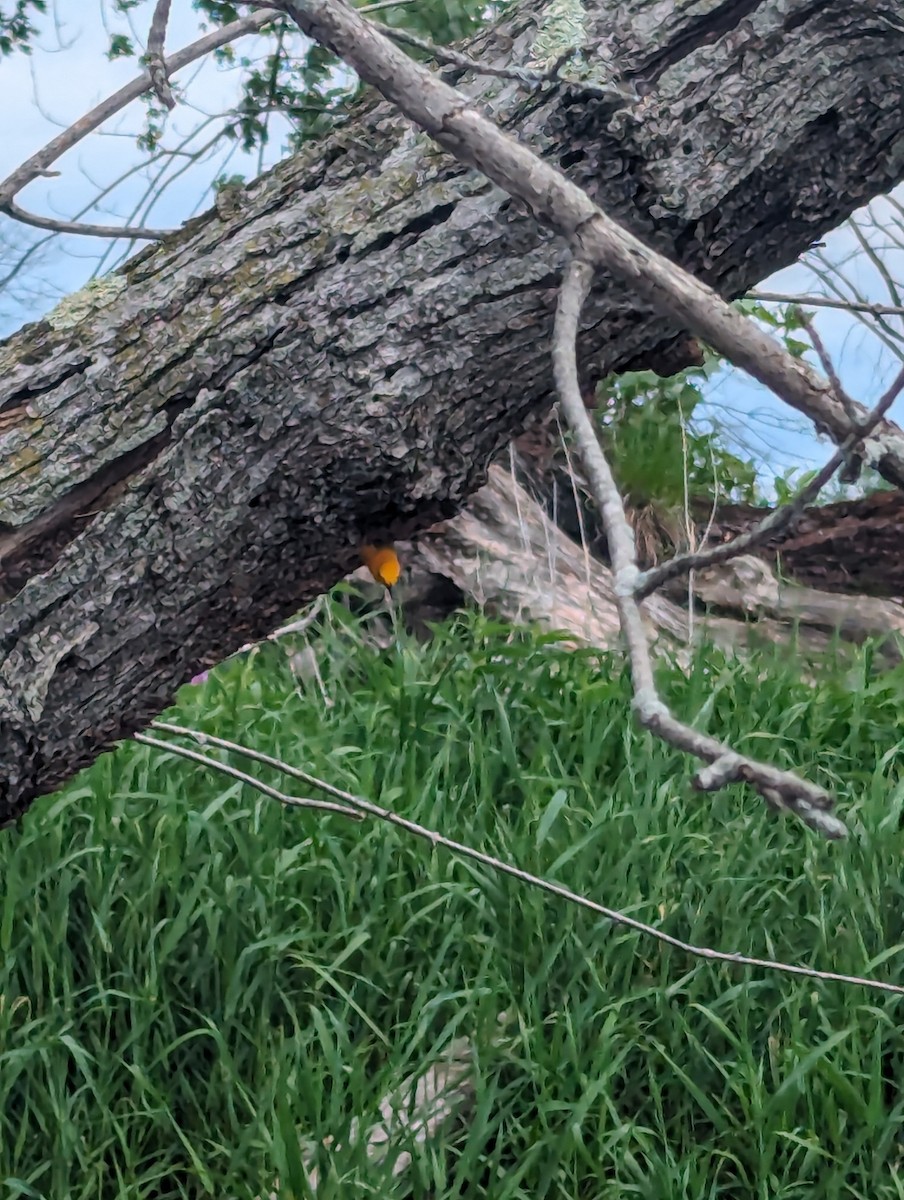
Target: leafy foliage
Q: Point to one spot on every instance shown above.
(311, 93)
(791, 483)
(312, 89)
(16, 28)
(316, 89)
(121, 46)
(660, 447)
(196, 984)
(440, 21)
(656, 447)
(784, 320)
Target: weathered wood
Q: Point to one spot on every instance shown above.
(853, 546)
(506, 554)
(194, 447)
(748, 587)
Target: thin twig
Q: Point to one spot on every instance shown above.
(876, 259)
(782, 788)
(382, 5)
(264, 788)
(297, 626)
(159, 156)
(578, 508)
(38, 164)
(854, 306)
(368, 808)
(829, 367)
(778, 520)
(689, 529)
(829, 274)
(85, 228)
(154, 60)
(447, 57)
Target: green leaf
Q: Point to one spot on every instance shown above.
(121, 47)
(557, 802)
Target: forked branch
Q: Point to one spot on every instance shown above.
(724, 765)
(367, 808)
(778, 520)
(155, 78)
(39, 164)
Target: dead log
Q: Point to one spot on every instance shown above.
(853, 547)
(507, 556)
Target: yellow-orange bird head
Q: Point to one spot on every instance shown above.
(383, 563)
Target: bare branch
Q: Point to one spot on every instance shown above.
(155, 78)
(777, 521)
(58, 225)
(297, 626)
(37, 165)
(452, 58)
(476, 141)
(382, 5)
(811, 803)
(828, 366)
(854, 306)
(154, 60)
(832, 276)
(529, 76)
(368, 808)
(876, 259)
(265, 790)
(159, 180)
(37, 246)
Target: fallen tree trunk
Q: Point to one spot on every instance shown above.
(853, 546)
(196, 445)
(507, 556)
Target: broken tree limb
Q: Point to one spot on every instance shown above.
(505, 555)
(511, 559)
(724, 765)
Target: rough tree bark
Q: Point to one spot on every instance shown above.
(853, 546)
(195, 446)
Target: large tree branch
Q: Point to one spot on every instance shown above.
(194, 447)
(457, 126)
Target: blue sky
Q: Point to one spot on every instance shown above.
(69, 73)
(66, 76)
(865, 365)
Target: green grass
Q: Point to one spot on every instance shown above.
(189, 972)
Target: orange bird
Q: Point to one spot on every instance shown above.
(383, 563)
